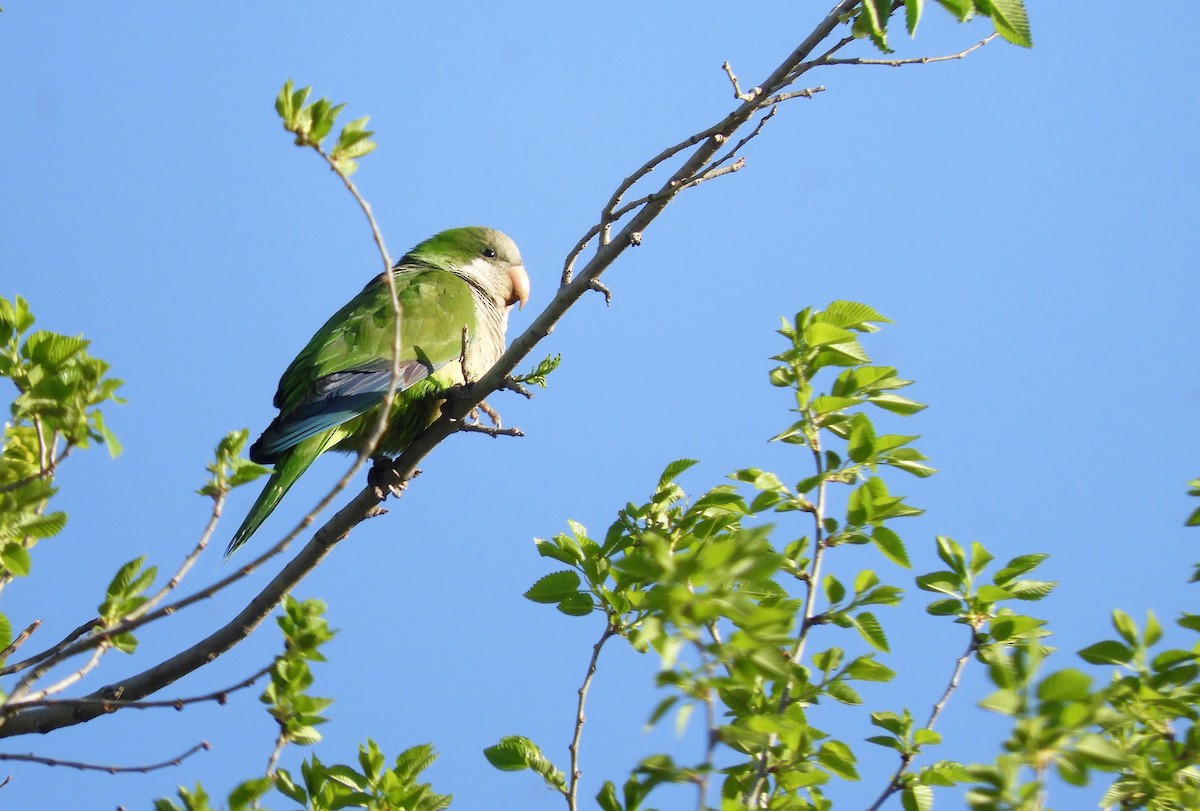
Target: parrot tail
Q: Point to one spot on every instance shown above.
(287, 469)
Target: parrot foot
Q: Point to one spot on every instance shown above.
(384, 477)
(492, 413)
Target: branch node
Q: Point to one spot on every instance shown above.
(512, 384)
(599, 287)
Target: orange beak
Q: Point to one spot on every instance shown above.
(520, 285)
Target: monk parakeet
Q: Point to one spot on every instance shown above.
(329, 397)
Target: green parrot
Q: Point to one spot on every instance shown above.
(329, 397)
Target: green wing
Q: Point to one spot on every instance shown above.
(345, 369)
(328, 396)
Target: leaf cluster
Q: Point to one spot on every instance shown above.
(313, 122)
(60, 388)
(1008, 18)
(728, 605)
(229, 468)
(287, 699)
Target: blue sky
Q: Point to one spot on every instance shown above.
(1027, 219)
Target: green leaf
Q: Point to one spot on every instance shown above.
(554, 587)
(1016, 567)
(861, 444)
(15, 558)
(945, 582)
(896, 404)
(871, 631)
(5, 633)
(837, 758)
(1108, 652)
(1125, 626)
(674, 469)
(1065, 685)
(852, 314)
(916, 797)
(607, 797)
(577, 605)
(912, 16)
(514, 753)
(962, 10)
(891, 546)
(1009, 19)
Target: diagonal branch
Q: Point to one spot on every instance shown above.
(705, 146)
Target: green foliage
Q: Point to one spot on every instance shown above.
(287, 699)
(229, 469)
(1140, 725)
(59, 389)
(540, 372)
(732, 612)
(312, 124)
(370, 786)
(1008, 18)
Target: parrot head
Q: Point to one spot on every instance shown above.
(487, 258)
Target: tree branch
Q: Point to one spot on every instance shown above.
(95, 767)
(580, 717)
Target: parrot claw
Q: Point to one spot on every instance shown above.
(384, 477)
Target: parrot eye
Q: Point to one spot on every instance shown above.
(489, 253)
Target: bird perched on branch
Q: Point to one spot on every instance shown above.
(454, 293)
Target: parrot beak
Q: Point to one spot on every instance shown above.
(520, 285)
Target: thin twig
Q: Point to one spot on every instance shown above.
(22, 695)
(894, 783)
(749, 95)
(610, 630)
(42, 473)
(96, 767)
(477, 428)
(20, 640)
(114, 704)
(273, 760)
(916, 60)
(188, 561)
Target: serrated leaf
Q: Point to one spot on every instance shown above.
(1031, 589)
(912, 15)
(890, 544)
(554, 587)
(1009, 19)
(870, 629)
(577, 605)
(674, 469)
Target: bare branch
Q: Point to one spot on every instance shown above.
(95, 767)
(493, 431)
(749, 95)
(113, 704)
(896, 63)
(575, 772)
(20, 640)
